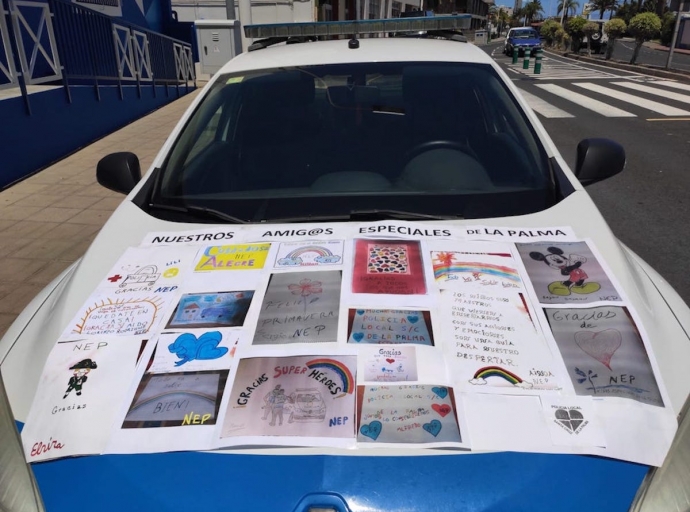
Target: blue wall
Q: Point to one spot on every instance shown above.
(56, 128)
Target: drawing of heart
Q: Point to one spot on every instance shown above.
(440, 392)
(433, 427)
(442, 409)
(599, 345)
(413, 319)
(570, 419)
(358, 336)
(372, 430)
(390, 361)
(360, 311)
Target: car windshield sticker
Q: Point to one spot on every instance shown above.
(354, 335)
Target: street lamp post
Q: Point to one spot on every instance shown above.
(675, 34)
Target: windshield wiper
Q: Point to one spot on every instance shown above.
(397, 214)
(200, 212)
(363, 215)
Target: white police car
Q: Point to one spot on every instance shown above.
(392, 142)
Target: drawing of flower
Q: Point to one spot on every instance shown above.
(588, 376)
(446, 258)
(305, 288)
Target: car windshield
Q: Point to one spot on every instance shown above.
(322, 142)
(525, 34)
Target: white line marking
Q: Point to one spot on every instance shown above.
(635, 100)
(675, 85)
(682, 98)
(597, 106)
(542, 107)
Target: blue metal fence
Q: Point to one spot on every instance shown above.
(58, 42)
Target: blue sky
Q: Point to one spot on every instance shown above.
(551, 6)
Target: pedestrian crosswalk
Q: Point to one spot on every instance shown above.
(554, 69)
(618, 98)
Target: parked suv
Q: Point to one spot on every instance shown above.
(599, 39)
(523, 38)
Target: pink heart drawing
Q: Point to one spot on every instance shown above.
(599, 345)
(390, 361)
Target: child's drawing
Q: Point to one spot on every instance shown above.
(303, 396)
(604, 353)
(566, 273)
(309, 254)
(177, 399)
(300, 307)
(475, 270)
(121, 317)
(388, 267)
(219, 309)
(415, 414)
(79, 377)
(188, 347)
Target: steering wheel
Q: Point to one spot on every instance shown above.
(439, 144)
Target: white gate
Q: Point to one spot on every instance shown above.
(8, 76)
(40, 39)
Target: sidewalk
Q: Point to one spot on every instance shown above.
(657, 46)
(48, 220)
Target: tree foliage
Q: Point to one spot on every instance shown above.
(643, 27)
(615, 29)
(571, 7)
(548, 31)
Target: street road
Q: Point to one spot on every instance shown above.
(648, 204)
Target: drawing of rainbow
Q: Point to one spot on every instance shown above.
(440, 269)
(321, 251)
(497, 371)
(337, 367)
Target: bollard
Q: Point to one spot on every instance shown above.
(537, 62)
(525, 61)
(515, 55)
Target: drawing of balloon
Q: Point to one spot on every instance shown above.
(599, 345)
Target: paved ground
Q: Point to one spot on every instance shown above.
(47, 221)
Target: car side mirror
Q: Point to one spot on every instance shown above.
(119, 172)
(598, 159)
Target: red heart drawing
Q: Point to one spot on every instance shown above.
(442, 409)
(390, 361)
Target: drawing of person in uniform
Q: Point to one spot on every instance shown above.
(77, 380)
(269, 400)
(277, 409)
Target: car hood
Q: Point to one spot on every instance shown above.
(256, 480)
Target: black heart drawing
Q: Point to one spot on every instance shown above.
(570, 419)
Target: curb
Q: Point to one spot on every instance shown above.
(639, 68)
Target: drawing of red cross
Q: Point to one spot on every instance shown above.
(115, 278)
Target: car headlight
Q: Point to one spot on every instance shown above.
(666, 488)
(18, 490)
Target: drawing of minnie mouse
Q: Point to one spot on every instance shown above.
(570, 266)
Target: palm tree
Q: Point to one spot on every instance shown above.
(571, 7)
(604, 5)
(532, 10)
